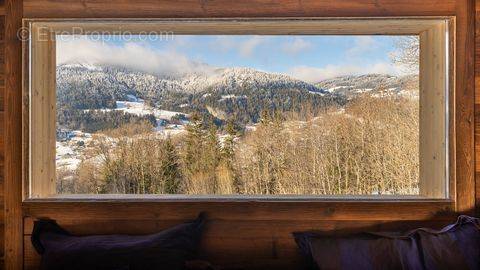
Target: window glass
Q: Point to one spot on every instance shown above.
(237, 114)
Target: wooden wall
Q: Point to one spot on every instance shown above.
(477, 104)
(255, 235)
(2, 145)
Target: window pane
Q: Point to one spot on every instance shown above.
(249, 115)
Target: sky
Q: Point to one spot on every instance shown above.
(308, 58)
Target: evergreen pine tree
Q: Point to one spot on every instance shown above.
(170, 168)
(228, 154)
(212, 155)
(193, 144)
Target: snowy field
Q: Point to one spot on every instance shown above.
(69, 153)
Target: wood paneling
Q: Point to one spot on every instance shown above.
(255, 235)
(42, 114)
(2, 133)
(261, 243)
(477, 104)
(433, 128)
(464, 100)
(244, 26)
(434, 47)
(233, 8)
(13, 138)
(244, 210)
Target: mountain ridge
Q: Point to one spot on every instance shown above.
(239, 94)
(221, 79)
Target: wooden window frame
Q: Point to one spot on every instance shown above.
(436, 73)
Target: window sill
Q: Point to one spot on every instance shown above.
(233, 198)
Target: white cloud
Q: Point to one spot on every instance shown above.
(316, 74)
(224, 43)
(248, 47)
(180, 40)
(131, 55)
(245, 48)
(170, 62)
(362, 44)
(298, 45)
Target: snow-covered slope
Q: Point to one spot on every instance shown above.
(373, 84)
(224, 80)
(229, 79)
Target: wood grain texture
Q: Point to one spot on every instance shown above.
(2, 133)
(42, 115)
(244, 26)
(477, 105)
(244, 210)
(259, 243)
(13, 139)
(251, 235)
(464, 99)
(432, 118)
(232, 8)
(255, 235)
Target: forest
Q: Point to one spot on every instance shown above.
(263, 135)
(369, 146)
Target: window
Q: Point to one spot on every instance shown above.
(296, 108)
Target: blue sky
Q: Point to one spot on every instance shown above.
(281, 53)
(310, 58)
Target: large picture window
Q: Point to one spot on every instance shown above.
(283, 108)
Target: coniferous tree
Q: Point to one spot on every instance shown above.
(211, 156)
(228, 144)
(193, 144)
(170, 168)
(228, 155)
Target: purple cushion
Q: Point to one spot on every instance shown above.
(168, 249)
(360, 251)
(456, 246)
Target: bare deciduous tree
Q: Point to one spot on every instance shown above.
(407, 53)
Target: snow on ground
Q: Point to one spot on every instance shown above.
(69, 153)
(163, 114)
(70, 164)
(411, 190)
(333, 89)
(363, 90)
(316, 93)
(172, 130)
(83, 65)
(251, 127)
(66, 156)
(140, 108)
(63, 149)
(225, 97)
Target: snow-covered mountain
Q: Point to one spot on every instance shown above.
(224, 93)
(373, 84)
(119, 82)
(223, 80)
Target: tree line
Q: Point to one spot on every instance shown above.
(97, 120)
(369, 146)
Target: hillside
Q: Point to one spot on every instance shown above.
(118, 82)
(219, 95)
(240, 94)
(374, 84)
